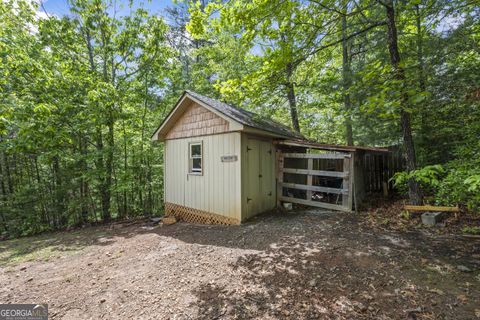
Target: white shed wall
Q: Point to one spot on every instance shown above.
(218, 189)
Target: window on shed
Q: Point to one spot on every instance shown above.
(195, 157)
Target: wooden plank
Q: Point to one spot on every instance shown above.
(385, 170)
(315, 146)
(431, 208)
(378, 173)
(336, 174)
(323, 146)
(316, 155)
(367, 172)
(324, 205)
(314, 188)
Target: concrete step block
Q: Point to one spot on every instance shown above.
(432, 218)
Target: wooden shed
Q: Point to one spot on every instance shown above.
(220, 164)
(224, 164)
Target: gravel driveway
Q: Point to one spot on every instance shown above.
(303, 265)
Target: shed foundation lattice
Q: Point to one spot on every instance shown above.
(192, 215)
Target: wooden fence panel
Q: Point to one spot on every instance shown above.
(315, 171)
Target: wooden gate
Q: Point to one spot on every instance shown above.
(322, 180)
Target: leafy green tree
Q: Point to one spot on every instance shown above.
(80, 94)
(77, 115)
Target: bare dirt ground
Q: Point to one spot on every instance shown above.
(305, 265)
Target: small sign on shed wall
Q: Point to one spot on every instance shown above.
(229, 158)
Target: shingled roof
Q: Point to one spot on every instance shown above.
(246, 118)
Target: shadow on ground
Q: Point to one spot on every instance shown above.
(328, 266)
(259, 233)
(299, 265)
(46, 246)
(315, 226)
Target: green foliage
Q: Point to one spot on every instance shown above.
(450, 185)
(78, 101)
(461, 185)
(429, 178)
(471, 230)
(473, 183)
(405, 215)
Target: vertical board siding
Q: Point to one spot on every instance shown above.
(218, 189)
(267, 165)
(243, 190)
(254, 162)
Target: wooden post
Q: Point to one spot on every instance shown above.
(351, 181)
(309, 178)
(347, 182)
(279, 177)
(385, 189)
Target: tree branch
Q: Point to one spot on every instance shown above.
(318, 49)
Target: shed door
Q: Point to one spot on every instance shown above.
(260, 176)
(267, 176)
(253, 177)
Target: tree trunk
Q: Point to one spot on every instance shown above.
(105, 170)
(424, 125)
(3, 200)
(3, 180)
(346, 80)
(405, 116)
(59, 192)
(106, 215)
(110, 122)
(102, 174)
(143, 171)
(7, 173)
(420, 60)
(45, 216)
(2, 183)
(125, 168)
(83, 182)
(292, 102)
(150, 205)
